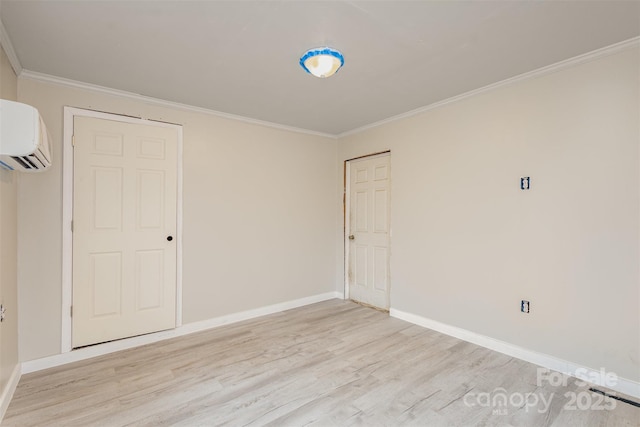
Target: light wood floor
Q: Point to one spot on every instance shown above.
(332, 363)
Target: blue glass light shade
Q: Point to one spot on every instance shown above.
(322, 61)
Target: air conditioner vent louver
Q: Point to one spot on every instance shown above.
(23, 161)
(24, 141)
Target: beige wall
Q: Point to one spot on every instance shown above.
(8, 244)
(259, 215)
(262, 214)
(468, 244)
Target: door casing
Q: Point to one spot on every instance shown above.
(67, 213)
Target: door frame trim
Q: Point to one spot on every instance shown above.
(67, 213)
(346, 209)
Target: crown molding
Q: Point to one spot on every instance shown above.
(6, 44)
(571, 62)
(567, 63)
(47, 78)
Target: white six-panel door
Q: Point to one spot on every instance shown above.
(124, 225)
(369, 209)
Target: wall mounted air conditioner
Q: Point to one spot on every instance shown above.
(24, 141)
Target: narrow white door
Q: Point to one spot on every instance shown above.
(124, 225)
(368, 234)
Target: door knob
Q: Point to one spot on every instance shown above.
(352, 237)
(169, 238)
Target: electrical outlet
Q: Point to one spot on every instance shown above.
(2, 312)
(524, 306)
(525, 183)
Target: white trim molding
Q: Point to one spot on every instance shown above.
(7, 46)
(599, 378)
(124, 344)
(9, 389)
(67, 213)
(346, 226)
(567, 63)
(47, 78)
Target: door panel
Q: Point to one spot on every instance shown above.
(362, 210)
(361, 265)
(107, 198)
(380, 210)
(124, 207)
(368, 270)
(150, 200)
(149, 274)
(105, 283)
(380, 273)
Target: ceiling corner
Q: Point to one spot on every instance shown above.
(6, 44)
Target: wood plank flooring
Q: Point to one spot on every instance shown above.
(331, 363)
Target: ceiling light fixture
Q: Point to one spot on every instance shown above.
(322, 61)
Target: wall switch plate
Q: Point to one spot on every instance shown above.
(525, 183)
(524, 306)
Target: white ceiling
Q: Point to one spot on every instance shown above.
(241, 57)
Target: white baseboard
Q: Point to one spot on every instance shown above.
(9, 389)
(599, 378)
(110, 347)
(257, 312)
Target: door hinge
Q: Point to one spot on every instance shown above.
(73, 140)
(72, 226)
(71, 311)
